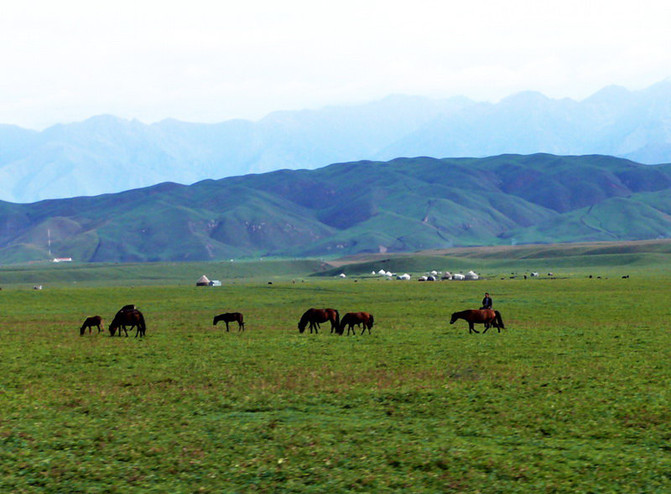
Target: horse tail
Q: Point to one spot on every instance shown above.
(337, 318)
(371, 321)
(141, 323)
(499, 321)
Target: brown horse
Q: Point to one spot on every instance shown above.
(230, 317)
(356, 318)
(128, 316)
(317, 316)
(89, 322)
(488, 317)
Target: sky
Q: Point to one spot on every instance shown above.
(211, 61)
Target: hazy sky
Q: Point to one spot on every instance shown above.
(210, 61)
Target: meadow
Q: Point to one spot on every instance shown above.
(573, 396)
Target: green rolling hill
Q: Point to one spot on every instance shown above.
(407, 204)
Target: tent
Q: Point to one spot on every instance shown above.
(203, 281)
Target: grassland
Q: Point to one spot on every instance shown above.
(572, 396)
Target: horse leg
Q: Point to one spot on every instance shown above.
(471, 327)
(226, 326)
(486, 328)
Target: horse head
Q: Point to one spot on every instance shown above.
(454, 317)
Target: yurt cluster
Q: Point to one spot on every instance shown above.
(431, 276)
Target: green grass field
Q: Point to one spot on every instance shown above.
(573, 396)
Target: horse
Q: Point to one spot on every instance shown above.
(128, 317)
(317, 316)
(356, 318)
(89, 322)
(230, 317)
(488, 317)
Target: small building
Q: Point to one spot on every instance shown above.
(203, 281)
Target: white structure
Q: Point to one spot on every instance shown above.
(215, 283)
(404, 276)
(342, 275)
(472, 275)
(203, 281)
(458, 276)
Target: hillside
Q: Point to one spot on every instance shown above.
(106, 154)
(397, 206)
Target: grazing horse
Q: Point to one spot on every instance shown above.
(488, 317)
(230, 317)
(89, 322)
(317, 316)
(356, 318)
(128, 317)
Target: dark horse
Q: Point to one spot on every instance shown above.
(230, 317)
(89, 322)
(317, 316)
(128, 316)
(488, 317)
(356, 318)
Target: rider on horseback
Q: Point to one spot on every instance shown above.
(486, 302)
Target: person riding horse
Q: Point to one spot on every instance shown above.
(486, 302)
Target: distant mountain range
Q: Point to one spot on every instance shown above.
(106, 154)
(404, 205)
